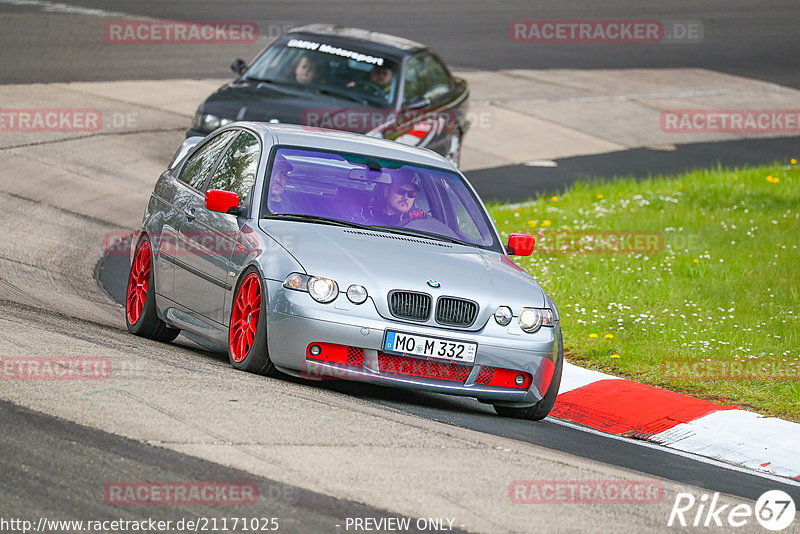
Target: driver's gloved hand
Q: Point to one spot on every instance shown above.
(417, 214)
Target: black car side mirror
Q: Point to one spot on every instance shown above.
(417, 103)
(238, 66)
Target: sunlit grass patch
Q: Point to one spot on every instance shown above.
(722, 282)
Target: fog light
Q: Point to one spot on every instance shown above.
(519, 380)
(315, 350)
(357, 294)
(503, 315)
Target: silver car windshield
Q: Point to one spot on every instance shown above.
(378, 193)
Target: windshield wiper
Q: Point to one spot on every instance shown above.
(422, 233)
(319, 219)
(349, 224)
(254, 79)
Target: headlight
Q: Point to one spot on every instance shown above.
(321, 289)
(225, 122)
(210, 122)
(503, 315)
(296, 281)
(531, 319)
(357, 294)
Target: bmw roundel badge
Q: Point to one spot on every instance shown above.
(434, 284)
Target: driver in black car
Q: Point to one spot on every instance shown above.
(380, 77)
(393, 204)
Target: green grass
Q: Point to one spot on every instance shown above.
(722, 289)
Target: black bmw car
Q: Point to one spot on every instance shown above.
(346, 79)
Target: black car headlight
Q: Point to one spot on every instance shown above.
(208, 121)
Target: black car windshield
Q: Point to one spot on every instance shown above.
(349, 73)
(378, 193)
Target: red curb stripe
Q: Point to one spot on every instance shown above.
(621, 406)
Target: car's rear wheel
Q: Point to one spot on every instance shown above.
(541, 409)
(247, 333)
(140, 299)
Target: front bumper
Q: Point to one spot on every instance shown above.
(296, 321)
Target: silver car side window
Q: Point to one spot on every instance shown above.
(197, 166)
(236, 171)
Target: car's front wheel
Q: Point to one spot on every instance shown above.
(541, 409)
(454, 151)
(140, 299)
(247, 333)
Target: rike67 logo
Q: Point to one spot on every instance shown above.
(774, 510)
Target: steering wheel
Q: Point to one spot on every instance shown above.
(374, 87)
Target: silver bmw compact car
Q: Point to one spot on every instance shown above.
(326, 254)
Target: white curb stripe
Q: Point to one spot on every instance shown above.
(747, 439)
(743, 438)
(575, 377)
(676, 452)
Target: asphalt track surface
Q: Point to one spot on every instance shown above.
(55, 469)
(519, 182)
(752, 39)
(757, 40)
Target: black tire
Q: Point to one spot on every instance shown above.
(256, 357)
(541, 409)
(144, 315)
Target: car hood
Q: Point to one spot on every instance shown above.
(264, 102)
(383, 262)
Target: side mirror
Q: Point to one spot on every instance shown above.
(520, 244)
(417, 103)
(223, 202)
(238, 66)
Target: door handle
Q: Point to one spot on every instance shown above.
(190, 214)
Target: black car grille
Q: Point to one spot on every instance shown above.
(410, 305)
(455, 312)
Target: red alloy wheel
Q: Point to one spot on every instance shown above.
(138, 283)
(244, 319)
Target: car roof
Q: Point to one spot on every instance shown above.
(389, 45)
(336, 140)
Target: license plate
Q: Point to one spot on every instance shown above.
(430, 347)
